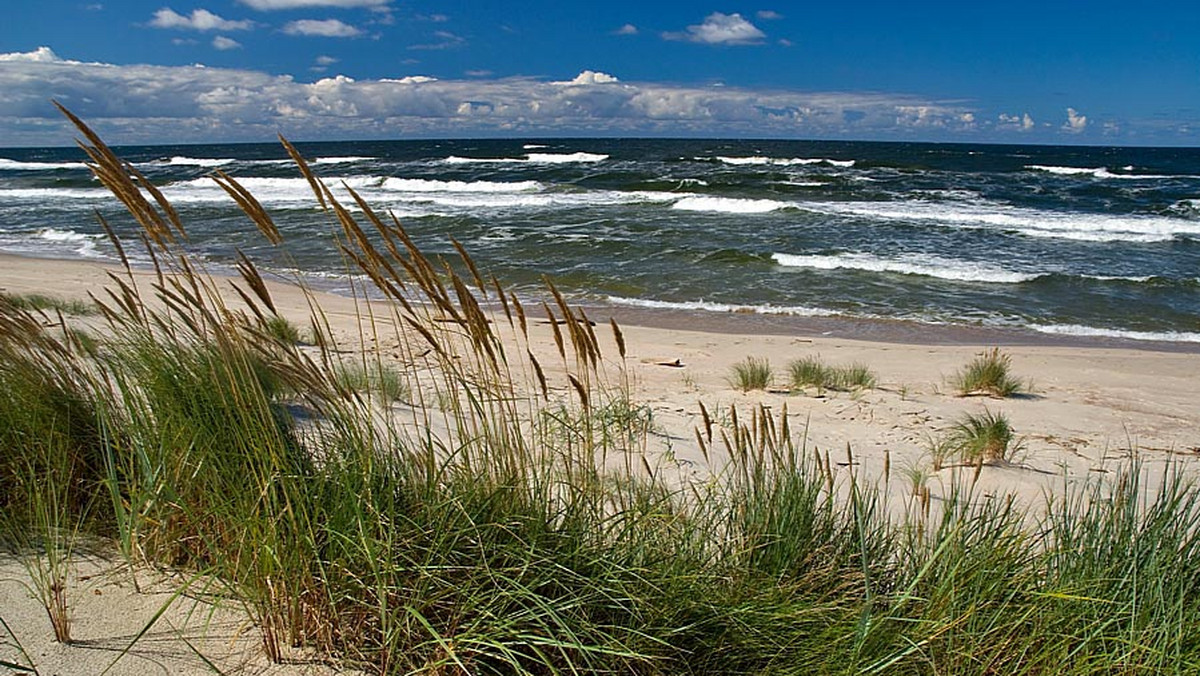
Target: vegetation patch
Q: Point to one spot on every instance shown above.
(989, 375)
(812, 372)
(752, 373)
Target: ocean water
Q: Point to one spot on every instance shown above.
(1058, 240)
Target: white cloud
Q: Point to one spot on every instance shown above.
(224, 44)
(269, 5)
(327, 28)
(1075, 123)
(721, 29)
(198, 20)
(627, 29)
(39, 55)
(1016, 122)
(768, 15)
(589, 77)
(324, 60)
(147, 104)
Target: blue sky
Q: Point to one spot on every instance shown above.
(242, 70)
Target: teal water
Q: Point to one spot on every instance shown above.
(1062, 240)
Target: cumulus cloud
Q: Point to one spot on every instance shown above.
(224, 44)
(1017, 122)
(721, 29)
(324, 60)
(198, 20)
(270, 5)
(326, 28)
(147, 104)
(589, 77)
(39, 55)
(1075, 123)
(627, 29)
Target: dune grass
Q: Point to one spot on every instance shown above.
(812, 372)
(752, 373)
(989, 374)
(986, 437)
(44, 302)
(491, 534)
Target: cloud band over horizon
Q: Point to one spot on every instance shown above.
(154, 104)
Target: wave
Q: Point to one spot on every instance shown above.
(533, 146)
(1095, 332)
(706, 306)
(758, 160)
(341, 160)
(199, 161)
(565, 158)
(909, 264)
(729, 205)
(18, 165)
(530, 158)
(1030, 222)
(1096, 172)
(455, 159)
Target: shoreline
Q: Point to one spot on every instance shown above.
(877, 330)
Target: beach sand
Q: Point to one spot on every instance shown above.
(1093, 408)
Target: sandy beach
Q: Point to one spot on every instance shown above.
(1092, 408)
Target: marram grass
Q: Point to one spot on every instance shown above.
(480, 527)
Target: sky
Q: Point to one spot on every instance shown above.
(160, 71)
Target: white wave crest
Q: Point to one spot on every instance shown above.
(729, 205)
(1030, 222)
(341, 160)
(1094, 332)
(565, 158)
(429, 185)
(199, 161)
(796, 311)
(783, 161)
(17, 165)
(530, 158)
(1094, 172)
(455, 159)
(908, 264)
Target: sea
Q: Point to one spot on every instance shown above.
(1031, 240)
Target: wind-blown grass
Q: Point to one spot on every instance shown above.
(989, 374)
(812, 372)
(479, 527)
(751, 373)
(986, 437)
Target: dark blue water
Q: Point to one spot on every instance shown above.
(1068, 240)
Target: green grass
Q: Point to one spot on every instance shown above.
(43, 302)
(751, 373)
(989, 374)
(986, 436)
(376, 378)
(476, 537)
(812, 372)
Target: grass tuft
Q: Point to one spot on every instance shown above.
(988, 375)
(751, 374)
(812, 372)
(987, 436)
(40, 302)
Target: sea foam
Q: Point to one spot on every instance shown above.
(1095, 332)
(728, 205)
(17, 165)
(706, 306)
(908, 264)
